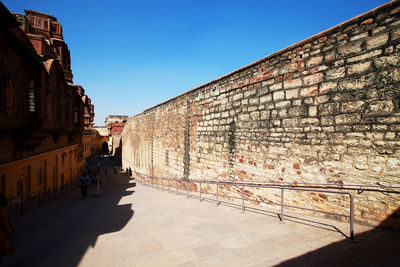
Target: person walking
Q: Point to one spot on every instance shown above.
(84, 182)
(95, 184)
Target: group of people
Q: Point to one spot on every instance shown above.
(91, 178)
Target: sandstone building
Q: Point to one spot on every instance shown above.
(42, 113)
(115, 125)
(323, 112)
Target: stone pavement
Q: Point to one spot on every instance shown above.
(142, 226)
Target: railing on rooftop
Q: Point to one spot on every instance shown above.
(174, 184)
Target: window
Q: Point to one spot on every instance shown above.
(39, 22)
(19, 188)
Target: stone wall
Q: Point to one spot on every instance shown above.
(324, 110)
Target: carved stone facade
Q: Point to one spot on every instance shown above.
(115, 125)
(41, 111)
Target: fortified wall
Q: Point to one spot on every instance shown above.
(322, 112)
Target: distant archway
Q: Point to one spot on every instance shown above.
(104, 148)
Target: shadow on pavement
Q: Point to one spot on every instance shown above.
(376, 247)
(60, 233)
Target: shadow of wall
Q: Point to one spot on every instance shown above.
(59, 234)
(376, 247)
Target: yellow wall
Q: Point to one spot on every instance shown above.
(48, 169)
(52, 168)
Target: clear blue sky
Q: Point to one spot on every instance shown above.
(132, 55)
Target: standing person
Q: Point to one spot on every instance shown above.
(98, 167)
(95, 183)
(84, 182)
(5, 229)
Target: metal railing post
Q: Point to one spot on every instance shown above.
(282, 205)
(243, 186)
(187, 189)
(22, 205)
(200, 190)
(351, 217)
(217, 194)
(243, 199)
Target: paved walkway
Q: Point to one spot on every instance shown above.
(142, 226)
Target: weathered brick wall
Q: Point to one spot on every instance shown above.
(325, 110)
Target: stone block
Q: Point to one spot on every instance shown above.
(312, 111)
(281, 104)
(290, 94)
(279, 95)
(314, 61)
(327, 87)
(297, 111)
(266, 98)
(347, 118)
(275, 123)
(387, 61)
(370, 54)
(327, 120)
(357, 83)
(309, 121)
(329, 56)
(251, 92)
(309, 91)
(290, 122)
(255, 115)
(377, 40)
(292, 83)
(237, 96)
(395, 34)
(351, 107)
(244, 117)
(359, 68)
(254, 101)
(333, 74)
(350, 48)
(379, 108)
(265, 114)
(275, 86)
(313, 79)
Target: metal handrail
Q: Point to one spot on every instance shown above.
(142, 177)
(37, 194)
